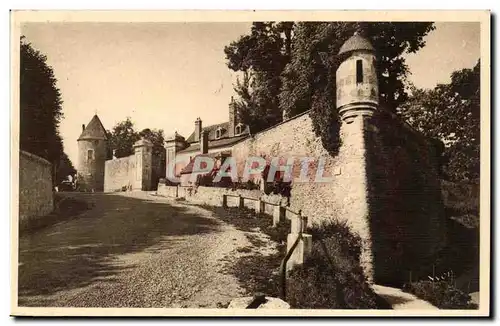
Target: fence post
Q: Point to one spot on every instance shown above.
(259, 206)
(177, 191)
(277, 214)
(304, 247)
(241, 202)
(224, 201)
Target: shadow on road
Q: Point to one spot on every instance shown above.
(74, 253)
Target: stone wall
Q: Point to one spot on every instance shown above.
(119, 173)
(383, 182)
(213, 196)
(407, 219)
(387, 193)
(344, 197)
(35, 187)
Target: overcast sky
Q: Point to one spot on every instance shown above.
(164, 75)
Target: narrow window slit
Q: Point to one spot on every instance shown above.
(359, 71)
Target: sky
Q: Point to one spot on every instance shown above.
(165, 75)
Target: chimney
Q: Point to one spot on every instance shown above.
(232, 118)
(204, 142)
(197, 129)
(83, 127)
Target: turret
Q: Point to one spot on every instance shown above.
(92, 149)
(356, 78)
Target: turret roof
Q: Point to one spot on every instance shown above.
(356, 43)
(94, 130)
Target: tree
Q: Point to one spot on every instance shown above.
(308, 81)
(451, 113)
(156, 137)
(122, 138)
(40, 106)
(260, 57)
(64, 168)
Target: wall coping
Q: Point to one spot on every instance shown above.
(35, 157)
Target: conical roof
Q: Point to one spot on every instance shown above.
(94, 130)
(356, 43)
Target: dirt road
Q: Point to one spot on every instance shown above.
(129, 250)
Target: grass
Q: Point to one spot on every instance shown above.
(442, 294)
(332, 277)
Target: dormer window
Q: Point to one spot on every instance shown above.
(218, 133)
(239, 129)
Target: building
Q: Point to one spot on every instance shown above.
(215, 141)
(95, 172)
(92, 151)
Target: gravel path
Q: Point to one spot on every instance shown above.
(130, 250)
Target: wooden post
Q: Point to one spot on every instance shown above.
(224, 201)
(278, 214)
(304, 248)
(259, 206)
(241, 201)
(177, 191)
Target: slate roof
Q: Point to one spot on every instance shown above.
(94, 130)
(356, 43)
(217, 143)
(211, 131)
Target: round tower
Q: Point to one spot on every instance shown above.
(356, 78)
(92, 149)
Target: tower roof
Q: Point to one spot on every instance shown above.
(94, 130)
(356, 43)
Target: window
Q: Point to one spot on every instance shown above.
(90, 155)
(239, 129)
(359, 71)
(218, 133)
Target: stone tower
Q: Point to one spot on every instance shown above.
(357, 100)
(356, 79)
(92, 149)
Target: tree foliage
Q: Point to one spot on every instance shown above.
(260, 57)
(451, 113)
(156, 137)
(40, 106)
(309, 79)
(64, 168)
(123, 137)
(290, 67)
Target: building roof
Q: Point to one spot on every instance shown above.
(356, 43)
(216, 143)
(94, 130)
(212, 129)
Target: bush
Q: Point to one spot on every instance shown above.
(205, 180)
(249, 185)
(332, 278)
(442, 294)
